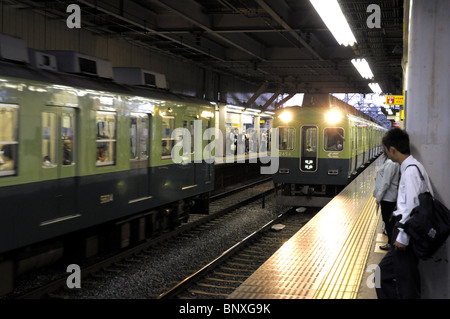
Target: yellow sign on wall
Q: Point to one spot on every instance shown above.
(394, 99)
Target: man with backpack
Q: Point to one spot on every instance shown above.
(399, 272)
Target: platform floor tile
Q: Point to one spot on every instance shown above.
(327, 257)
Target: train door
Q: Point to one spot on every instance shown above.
(59, 165)
(189, 178)
(139, 156)
(208, 168)
(356, 148)
(308, 147)
(352, 146)
(364, 145)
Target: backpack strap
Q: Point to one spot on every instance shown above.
(421, 176)
(399, 225)
(423, 179)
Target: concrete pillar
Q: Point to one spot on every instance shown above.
(427, 115)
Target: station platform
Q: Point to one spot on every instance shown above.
(327, 258)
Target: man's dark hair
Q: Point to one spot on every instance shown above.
(397, 138)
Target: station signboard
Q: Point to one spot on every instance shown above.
(394, 99)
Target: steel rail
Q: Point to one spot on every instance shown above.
(181, 286)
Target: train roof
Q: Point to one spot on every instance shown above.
(30, 73)
(321, 101)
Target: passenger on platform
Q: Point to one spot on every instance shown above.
(253, 142)
(247, 143)
(229, 143)
(399, 273)
(386, 186)
(263, 143)
(240, 144)
(235, 141)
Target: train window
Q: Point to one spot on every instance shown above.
(189, 125)
(106, 138)
(67, 135)
(308, 161)
(49, 139)
(286, 138)
(333, 139)
(309, 143)
(8, 139)
(139, 137)
(168, 125)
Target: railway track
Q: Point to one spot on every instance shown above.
(108, 267)
(219, 278)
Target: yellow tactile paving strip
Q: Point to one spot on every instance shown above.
(326, 258)
(342, 281)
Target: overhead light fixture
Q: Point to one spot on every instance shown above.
(363, 68)
(253, 110)
(267, 114)
(235, 107)
(375, 88)
(334, 19)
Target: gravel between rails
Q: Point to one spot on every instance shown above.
(170, 263)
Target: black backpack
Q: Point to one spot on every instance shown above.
(428, 225)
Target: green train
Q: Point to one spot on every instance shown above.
(322, 145)
(78, 151)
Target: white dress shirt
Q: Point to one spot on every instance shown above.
(386, 183)
(408, 192)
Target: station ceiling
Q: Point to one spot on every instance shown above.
(282, 46)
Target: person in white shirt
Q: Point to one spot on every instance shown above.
(399, 273)
(385, 193)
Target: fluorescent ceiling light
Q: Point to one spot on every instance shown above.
(375, 88)
(235, 107)
(363, 68)
(332, 16)
(253, 110)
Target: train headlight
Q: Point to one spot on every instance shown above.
(285, 116)
(333, 116)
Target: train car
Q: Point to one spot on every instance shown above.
(321, 147)
(82, 150)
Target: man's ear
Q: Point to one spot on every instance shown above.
(393, 150)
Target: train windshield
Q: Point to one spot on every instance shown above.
(309, 141)
(286, 138)
(333, 139)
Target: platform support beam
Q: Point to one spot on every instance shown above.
(427, 113)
